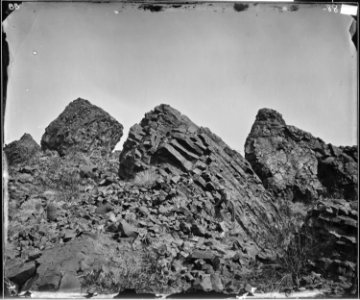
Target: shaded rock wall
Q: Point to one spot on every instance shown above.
(332, 223)
(82, 127)
(296, 166)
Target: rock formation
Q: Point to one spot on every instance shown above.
(82, 127)
(296, 166)
(21, 150)
(172, 143)
(148, 219)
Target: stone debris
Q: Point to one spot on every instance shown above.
(148, 219)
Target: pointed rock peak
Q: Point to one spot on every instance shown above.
(269, 115)
(21, 150)
(80, 101)
(168, 115)
(26, 137)
(82, 127)
(165, 109)
(184, 155)
(309, 167)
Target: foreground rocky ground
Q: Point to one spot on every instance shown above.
(84, 218)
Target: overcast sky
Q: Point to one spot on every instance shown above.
(214, 64)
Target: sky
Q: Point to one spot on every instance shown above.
(214, 64)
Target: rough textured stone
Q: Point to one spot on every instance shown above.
(333, 224)
(20, 272)
(82, 127)
(22, 150)
(70, 283)
(84, 227)
(294, 165)
(170, 141)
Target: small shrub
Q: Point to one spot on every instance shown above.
(67, 183)
(146, 178)
(138, 271)
(292, 241)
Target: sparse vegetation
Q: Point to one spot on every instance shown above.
(146, 178)
(67, 182)
(293, 244)
(139, 271)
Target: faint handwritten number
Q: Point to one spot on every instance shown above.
(13, 6)
(332, 8)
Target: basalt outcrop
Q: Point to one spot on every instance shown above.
(172, 144)
(22, 150)
(297, 166)
(82, 127)
(146, 219)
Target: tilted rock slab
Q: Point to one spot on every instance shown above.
(294, 165)
(171, 142)
(82, 127)
(22, 150)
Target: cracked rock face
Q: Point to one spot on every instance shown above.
(168, 141)
(21, 150)
(332, 223)
(295, 165)
(82, 127)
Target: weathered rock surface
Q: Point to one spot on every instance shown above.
(333, 225)
(82, 127)
(147, 221)
(296, 166)
(21, 150)
(175, 147)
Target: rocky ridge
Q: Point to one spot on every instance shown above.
(178, 149)
(147, 219)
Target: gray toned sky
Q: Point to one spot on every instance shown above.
(214, 64)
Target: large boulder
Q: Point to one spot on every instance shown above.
(82, 127)
(22, 150)
(170, 142)
(297, 166)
